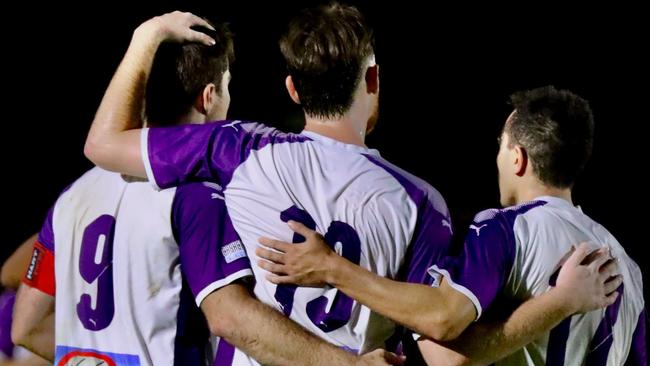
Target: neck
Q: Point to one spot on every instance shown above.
(339, 130)
(193, 116)
(350, 128)
(537, 190)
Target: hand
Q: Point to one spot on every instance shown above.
(304, 264)
(380, 357)
(589, 279)
(175, 27)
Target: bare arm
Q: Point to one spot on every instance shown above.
(440, 313)
(14, 268)
(33, 321)
(580, 288)
(271, 338)
(31, 360)
(114, 138)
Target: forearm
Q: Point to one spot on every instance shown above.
(485, 343)
(33, 321)
(110, 144)
(265, 334)
(438, 313)
(41, 339)
(31, 360)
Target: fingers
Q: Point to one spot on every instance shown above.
(609, 269)
(271, 267)
(280, 280)
(200, 22)
(278, 245)
(601, 258)
(578, 255)
(611, 299)
(200, 37)
(593, 254)
(301, 229)
(613, 283)
(270, 255)
(181, 23)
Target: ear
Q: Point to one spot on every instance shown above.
(372, 79)
(521, 160)
(205, 101)
(288, 82)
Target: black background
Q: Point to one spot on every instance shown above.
(446, 74)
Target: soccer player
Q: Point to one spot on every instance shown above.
(373, 213)
(12, 271)
(512, 253)
(384, 218)
(110, 250)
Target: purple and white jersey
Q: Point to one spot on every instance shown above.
(516, 253)
(371, 212)
(119, 247)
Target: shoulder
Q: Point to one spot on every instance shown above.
(421, 192)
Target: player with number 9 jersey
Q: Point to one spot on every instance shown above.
(112, 252)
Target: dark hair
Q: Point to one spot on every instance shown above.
(325, 48)
(180, 73)
(556, 127)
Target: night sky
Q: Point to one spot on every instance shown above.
(446, 74)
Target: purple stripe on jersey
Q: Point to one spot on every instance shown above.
(7, 300)
(639, 351)
(209, 152)
(557, 339)
(210, 249)
(192, 341)
(488, 254)
(225, 354)
(432, 236)
(46, 235)
(604, 336)
(420, 191)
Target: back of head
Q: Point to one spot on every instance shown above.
(181, 72)
(556, 127)
(325, 49)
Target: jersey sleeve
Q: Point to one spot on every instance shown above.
(483, 267)
(211, 253)
(431, 242)
(40, 272)
(209, 152)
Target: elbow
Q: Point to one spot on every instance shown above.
(223, 324)
(101, 153)
(226, 311)
(19, 334)
(6, 279)
(94, 151)
(441, 327)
